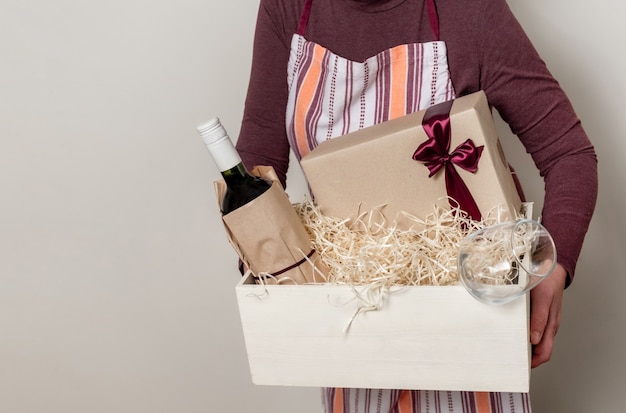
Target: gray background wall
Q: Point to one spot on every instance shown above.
(116, 282)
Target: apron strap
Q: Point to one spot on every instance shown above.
(433, 18)
(304, 18)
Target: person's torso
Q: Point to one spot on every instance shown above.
(330, 95)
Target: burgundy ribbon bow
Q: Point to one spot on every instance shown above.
(435, 154)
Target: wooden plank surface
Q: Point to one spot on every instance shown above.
(437, 338)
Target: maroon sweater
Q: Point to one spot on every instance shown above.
(487, 50)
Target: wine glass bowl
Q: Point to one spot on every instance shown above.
(502, 262)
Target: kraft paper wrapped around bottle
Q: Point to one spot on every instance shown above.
(269, 237)
(393, 165)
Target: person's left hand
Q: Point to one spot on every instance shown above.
(545, 314)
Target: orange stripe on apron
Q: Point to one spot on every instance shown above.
(482, 402)
(405, 402)
(306, 94)
(338, 402)
(399, 63)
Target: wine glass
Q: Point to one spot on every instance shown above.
(501, 262)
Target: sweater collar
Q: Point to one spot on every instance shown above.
(375, 6)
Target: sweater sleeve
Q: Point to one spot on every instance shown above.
(519, 85)
(262, 139)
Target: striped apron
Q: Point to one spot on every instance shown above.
(330, 96)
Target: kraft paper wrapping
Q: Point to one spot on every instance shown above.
(269, 237)
(373, 168)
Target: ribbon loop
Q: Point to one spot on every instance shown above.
(435, 154)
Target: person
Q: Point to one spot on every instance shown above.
(324, 68)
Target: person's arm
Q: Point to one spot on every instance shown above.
(530, 100)
(263, 140)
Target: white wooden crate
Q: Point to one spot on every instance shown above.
(434, 338)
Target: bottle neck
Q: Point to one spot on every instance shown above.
(235, 175)
(225, 155)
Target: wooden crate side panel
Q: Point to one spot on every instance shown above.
(421, 337)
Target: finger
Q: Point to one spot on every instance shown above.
(541, 301)
(545, 318)
(545, 305)
(542, 352)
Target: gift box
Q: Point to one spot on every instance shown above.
(450, 150)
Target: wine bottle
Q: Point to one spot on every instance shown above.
(241, 187)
